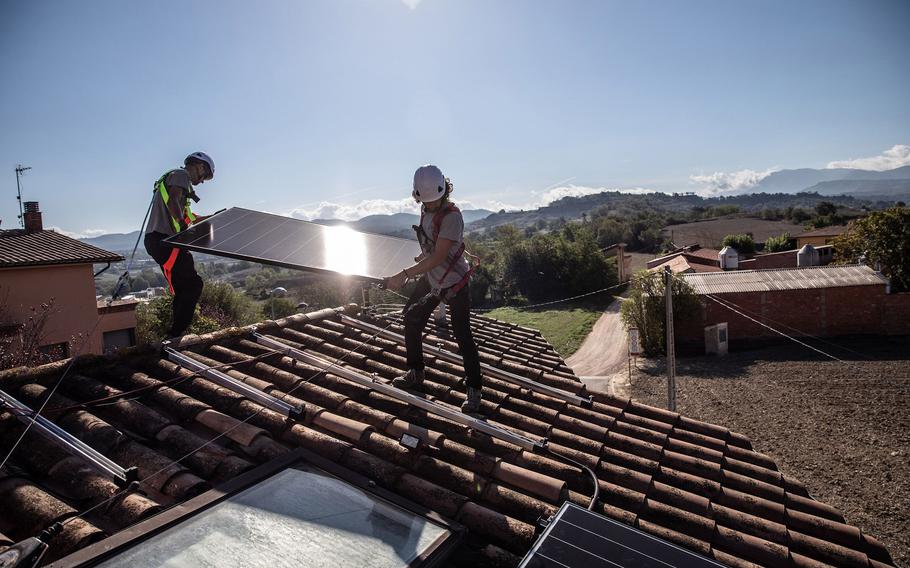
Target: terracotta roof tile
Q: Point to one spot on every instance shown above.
(19, 248)
(695, 484)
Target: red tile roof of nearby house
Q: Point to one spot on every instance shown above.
(695, 484)
(20, 248)
(697, 254)
(683, 263)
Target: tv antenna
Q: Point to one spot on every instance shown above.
(20, 171)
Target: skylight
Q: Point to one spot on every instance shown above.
(299, 516)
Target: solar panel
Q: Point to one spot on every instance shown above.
(576, 537)
(291, 243)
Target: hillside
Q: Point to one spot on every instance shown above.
(572, 207)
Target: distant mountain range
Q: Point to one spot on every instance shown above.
(853, 181)
(398, 224)
(797, 188)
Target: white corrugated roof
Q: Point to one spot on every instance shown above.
(735, 281)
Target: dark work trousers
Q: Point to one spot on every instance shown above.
(459, 315)
(186, 284)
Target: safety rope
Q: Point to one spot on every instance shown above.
(129, 265)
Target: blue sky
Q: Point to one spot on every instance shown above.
(325, 107)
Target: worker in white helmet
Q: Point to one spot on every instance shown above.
(444, 274)
(169, 215)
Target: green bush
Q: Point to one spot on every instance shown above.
(228, 307)
(742, 243)
(153, 320)
(779, 243)
(645, 308)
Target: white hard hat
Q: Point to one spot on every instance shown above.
(429, 184)
(205, 158)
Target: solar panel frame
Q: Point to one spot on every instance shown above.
(246, 242)
(576, 537)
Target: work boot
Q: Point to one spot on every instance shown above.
(409, 380)
(472, 404)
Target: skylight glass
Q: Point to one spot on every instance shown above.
(300, 516)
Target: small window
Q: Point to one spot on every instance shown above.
(54, 351)
(114, 340)
(722, 335)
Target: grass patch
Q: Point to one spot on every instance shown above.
(565, 327)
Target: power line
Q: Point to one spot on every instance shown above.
(555, 301)
(804, 334)
(777, 331)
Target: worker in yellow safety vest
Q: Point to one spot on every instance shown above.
(169, 215)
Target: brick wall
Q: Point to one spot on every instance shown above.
(826, 312)
(786, 259)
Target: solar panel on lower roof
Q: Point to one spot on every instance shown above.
(291, 243)
(580, 538)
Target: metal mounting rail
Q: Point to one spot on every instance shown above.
(487, 369)
(439, 409)
(233, 384)
(70, 443)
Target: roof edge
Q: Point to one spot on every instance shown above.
(31, 374)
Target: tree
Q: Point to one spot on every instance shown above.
(778, 244)
(138, 283)
(825, 208)
(24, 346)
(799, 216)
(742, 243)
(882, 237)
(645, 308)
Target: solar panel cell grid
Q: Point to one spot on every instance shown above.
(579, 538)
(282, 241)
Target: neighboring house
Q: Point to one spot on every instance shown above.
(45, 268)
(686, 264)
(694, 254)
(697, 485)
(819, 301)
(820, 237)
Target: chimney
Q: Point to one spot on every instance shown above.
(32, 217)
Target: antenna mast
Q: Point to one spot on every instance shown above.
(20, 171)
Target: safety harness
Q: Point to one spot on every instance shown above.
(188, 219)
(427, 245)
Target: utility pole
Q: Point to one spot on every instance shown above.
(671, 342)
(20, 171)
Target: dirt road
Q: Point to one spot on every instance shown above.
(601, 360)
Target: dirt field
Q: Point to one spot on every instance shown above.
(843, 429)
(711, 233)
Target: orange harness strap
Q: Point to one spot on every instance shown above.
(168, 266)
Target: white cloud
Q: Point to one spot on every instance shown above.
(729, 182)
(897, 156)
(329, 210)
(86, 234)
(412, 4)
